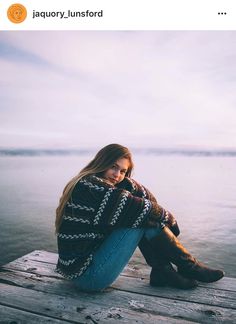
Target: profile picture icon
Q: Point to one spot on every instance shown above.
(16, 13)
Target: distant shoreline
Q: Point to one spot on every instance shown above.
(141, 151)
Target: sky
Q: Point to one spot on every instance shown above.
(86, 89)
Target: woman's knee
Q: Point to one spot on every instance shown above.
(150, 233)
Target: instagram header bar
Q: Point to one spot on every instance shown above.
(118, 15)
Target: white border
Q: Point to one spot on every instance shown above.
(127, 15)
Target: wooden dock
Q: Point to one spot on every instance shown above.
(31, 292)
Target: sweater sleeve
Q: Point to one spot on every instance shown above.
(157, 213)
(96, 203)
(139, 190)
(136, 189)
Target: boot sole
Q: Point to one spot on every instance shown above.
(174, 283)
(198, 278)
(173, 286)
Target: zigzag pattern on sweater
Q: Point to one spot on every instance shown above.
(85, 266)
(77, 274)
(78, 236)
(91, 185)
(72, 205)
(144, 192)
(102, 206)
(76, 219)
(147, 206)
(66, 262)
(97, 178)
(120, 207)
(134, 187)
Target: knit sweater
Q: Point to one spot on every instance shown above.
(94, 210)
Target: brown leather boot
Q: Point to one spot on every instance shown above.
(166, 275)
(187, 265)
(163, 273)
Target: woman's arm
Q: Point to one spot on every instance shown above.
(106, 206)
(139, 190)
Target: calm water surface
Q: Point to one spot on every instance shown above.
(200, 191)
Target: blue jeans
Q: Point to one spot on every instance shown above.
(111, 257)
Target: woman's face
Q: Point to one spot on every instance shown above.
(117, 171)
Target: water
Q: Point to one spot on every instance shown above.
(198, 190)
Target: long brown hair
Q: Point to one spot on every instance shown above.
(102, 161)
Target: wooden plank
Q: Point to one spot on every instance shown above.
(226, 283)
(133, 269)
(35, 272)
(30, 266)
(42, 256)
(202, 294)
(10, 315)
(77, 310)
(48, 269)
(152, 304)
(59, 286)
(51, 258)
(43, 262)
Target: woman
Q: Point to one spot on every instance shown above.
(104, 214)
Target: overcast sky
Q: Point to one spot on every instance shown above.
(141, 89)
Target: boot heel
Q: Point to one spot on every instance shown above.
(168, 276)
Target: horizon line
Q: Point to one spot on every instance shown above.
(148, 151)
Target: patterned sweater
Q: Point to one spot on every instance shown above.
(94, 210)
